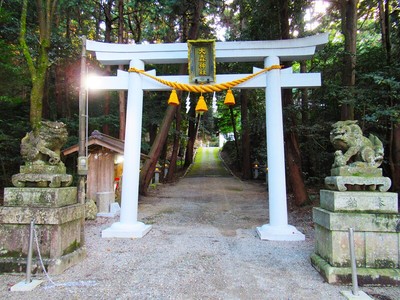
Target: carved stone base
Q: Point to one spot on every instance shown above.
(360, 171)
(375, 220)
(41, 180)
(339, 183)
(36, 168)
(40, 197)
(365, 276)
(59, 222)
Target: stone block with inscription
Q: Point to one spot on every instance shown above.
(354, 201)
(357, 199)
(375, 220)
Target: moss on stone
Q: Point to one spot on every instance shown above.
(71, 248)
(13, 254)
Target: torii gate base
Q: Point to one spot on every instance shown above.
(122, 230)
(279, 233)
(271, 52)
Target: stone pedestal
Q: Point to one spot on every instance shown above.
(376, 223)
(59, 223)
(106, 205)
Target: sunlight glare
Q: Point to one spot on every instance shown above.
(312, 15)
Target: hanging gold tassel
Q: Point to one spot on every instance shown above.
(173, 98)
(201, 105)
(229, 98)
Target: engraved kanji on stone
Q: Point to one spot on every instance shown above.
(352, 202)
(380, 202)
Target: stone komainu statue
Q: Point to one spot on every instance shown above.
(357, 160)
(353, 148)
(41, 153)
(44, 148)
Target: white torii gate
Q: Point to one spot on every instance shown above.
(271, 52)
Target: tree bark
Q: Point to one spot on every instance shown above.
(147, 171)
(176, 145)
(348, 10)
(292, 149)
(383, 6)
(246, 163)
(38, 72)
(192, 133)
(107, 38)
(193, 33)
(121, 94)
(235, 135)
(394, 157)
(293, 157)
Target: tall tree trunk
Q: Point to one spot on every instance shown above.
(176, 145)
(38, 72)
(348, 10)
(244, 100)
(394, 137)
(147, 171)
(293, 156)
(235, 135)
(305, 119)
(59, 91)
(246, 163)
(152, 129)
(122, 114)
(107, 38)
(192, 35)
(385, 28)
(192, 133)
(121, 94)
(394, 157)
(148, 168)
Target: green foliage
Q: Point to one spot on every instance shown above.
(375, 95)
(13, 126)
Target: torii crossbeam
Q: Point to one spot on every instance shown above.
(270, 52)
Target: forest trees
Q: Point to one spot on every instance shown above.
(360, 75)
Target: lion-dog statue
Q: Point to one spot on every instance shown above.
(353, 148)
(45, 147)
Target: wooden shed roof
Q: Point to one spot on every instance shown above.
(99, 139)
(103, 140)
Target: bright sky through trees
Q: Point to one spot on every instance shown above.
(312, 15)
(311, 18)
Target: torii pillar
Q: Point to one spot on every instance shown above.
(278, 228)
(271, 52)
(129, 226)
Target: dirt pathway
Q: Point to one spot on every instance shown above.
(203, 245)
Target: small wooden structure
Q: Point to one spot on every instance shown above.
(105, 167)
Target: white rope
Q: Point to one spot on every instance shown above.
(53, 284)
(40, 257)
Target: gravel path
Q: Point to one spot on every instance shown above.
(203, 245)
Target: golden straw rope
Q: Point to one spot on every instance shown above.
(209, 88)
